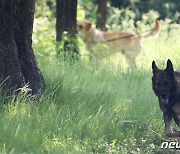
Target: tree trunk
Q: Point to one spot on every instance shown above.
(17, 60)
(66, 17)
(101, 14)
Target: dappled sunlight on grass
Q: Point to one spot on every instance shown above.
(90, 107)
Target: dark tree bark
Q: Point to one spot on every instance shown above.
(66, 17)
(17, 60)
(101, 14)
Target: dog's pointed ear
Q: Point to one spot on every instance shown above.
(154, 67)
(88, 25)
(169, 67)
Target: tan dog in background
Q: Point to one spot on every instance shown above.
(127, 43)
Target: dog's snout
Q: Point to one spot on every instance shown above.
(164, 95)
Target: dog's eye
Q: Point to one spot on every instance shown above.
(80, 27)
(158, 83)
(166, 83)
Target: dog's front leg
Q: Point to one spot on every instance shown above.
(168, 129)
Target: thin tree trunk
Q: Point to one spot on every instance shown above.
(66, 17)
(44, 8)
(101, 14)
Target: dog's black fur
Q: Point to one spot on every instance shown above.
(166, 86)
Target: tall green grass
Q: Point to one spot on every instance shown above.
(90, 108)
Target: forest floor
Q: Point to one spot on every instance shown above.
(99, 107)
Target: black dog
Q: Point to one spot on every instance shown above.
(166, 86)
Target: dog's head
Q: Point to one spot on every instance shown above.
(83, 26)
(162, 81)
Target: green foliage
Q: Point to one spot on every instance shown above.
(67, 47)
(80, 13)
(166, 8)
(45, 8)
(89, 8)
(124, 19)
